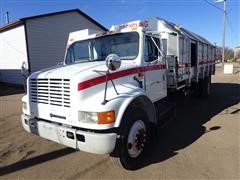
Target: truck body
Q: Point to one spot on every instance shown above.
(90, 105)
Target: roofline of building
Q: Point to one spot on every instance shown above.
(22, 20)
(11, 25)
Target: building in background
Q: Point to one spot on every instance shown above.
(40, 41)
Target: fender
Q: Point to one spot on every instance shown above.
(137, 99)
(129, 94)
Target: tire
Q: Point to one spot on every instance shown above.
(203, 88)
(196, 89)
(134, 139)
(206, 87)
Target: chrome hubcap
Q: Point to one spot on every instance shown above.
(136, 138)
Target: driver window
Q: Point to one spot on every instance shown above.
(150, 50)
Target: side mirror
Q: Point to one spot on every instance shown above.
(24, 68)
(113, 62)
(25, 73)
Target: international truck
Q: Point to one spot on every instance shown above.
(113, 87)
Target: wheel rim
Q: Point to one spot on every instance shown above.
(136, 139)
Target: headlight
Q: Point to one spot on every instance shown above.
(96, 117)
(87, 117)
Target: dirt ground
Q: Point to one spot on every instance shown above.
(202, 143)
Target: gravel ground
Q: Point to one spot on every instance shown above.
(202, 143)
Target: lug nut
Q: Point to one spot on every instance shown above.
(129, 145)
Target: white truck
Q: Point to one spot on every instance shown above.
(112, 88)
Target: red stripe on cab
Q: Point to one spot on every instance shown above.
(101, 79)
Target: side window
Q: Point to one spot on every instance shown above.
(150, 50)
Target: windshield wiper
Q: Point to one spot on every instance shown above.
(83, 58)
(102, 59)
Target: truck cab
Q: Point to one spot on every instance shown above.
(103, 98)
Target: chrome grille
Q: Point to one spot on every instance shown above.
(55, 92)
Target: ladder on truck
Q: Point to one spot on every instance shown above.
(173, 81)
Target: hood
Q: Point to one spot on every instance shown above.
(80, 71)
(69, 71)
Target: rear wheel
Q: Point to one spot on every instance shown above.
(196, 89)
(206, 87)
(202, 89)
(134, 139)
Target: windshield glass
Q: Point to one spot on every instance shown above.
(125, 45)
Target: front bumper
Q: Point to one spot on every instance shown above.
(97, 143)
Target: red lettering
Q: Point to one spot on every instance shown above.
(134, 25)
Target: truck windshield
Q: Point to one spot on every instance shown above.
(125, 45)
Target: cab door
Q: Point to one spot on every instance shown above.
(155, 69)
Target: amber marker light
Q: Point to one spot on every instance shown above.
(106, 117)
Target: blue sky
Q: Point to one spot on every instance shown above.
(195, 15)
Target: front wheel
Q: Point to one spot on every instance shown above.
(134, 139)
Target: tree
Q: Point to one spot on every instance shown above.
(228, 53)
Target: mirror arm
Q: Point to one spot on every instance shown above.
(106, 85)
(114, 87)
(154, 62)
(113, 63)
(105, 91)
(157, 46)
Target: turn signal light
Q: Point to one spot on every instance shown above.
(106, 117)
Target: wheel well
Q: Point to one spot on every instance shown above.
(144, 103)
